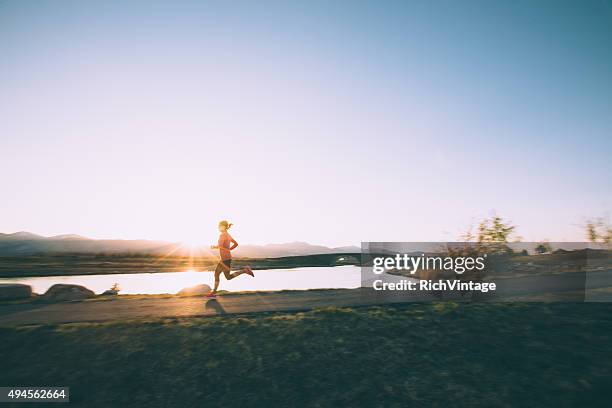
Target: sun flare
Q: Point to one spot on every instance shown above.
(194, 243)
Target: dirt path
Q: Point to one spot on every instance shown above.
(122, 309)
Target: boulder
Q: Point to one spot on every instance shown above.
(195, 290)
(60, 291)
(10, 291)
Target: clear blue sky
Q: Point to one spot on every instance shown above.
(330, 122)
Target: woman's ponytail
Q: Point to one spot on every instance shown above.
(226, 224)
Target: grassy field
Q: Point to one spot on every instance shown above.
(442, 354)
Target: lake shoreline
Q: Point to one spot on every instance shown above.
(47, 265)
(298, 278)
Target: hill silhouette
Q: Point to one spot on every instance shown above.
(25, 243)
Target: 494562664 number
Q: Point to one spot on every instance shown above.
(29, 394)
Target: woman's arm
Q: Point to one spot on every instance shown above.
(234, 243)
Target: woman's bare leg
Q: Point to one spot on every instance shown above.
(231, 275)
(217, 275)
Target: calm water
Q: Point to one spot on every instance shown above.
(155, 283)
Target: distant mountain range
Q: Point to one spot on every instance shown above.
(26, 243)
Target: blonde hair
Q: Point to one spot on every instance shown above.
(226, 224)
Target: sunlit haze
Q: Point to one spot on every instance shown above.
(331, 123)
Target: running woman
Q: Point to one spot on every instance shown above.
(225, 245)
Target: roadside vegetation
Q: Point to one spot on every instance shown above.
(441, 354)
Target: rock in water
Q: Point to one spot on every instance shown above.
(10, 291)
(62, 291)
(195, 290)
